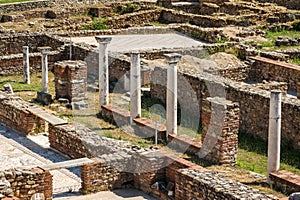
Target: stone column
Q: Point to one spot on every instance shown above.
(274, 132)
(103, 70)
(135, 87)
(26, 70)
(220, 123)
(44, 51)
(173, 59)
(298, 90)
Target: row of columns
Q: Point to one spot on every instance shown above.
(26, 69)
(135, 83)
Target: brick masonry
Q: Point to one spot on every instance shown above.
(16, 113)
(24, 183)
(286, 181)
(71, 80)
(220, 127)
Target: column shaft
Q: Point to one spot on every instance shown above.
(45, 72)
(135, 86)
(274, 132)
(26, 70)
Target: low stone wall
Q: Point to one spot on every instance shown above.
(270, 70)
(104, 174)
(13, 64)
(291, 4)
(13, 43)
(25, 183)
(77, 141)
(285, 181)
(195, 184)
(171, 16)
(21, 6)
(16, 114)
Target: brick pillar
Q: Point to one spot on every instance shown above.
(71, 80)
(220, 123)
(298, 90)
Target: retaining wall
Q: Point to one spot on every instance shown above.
(21, 6)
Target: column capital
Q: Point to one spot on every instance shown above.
(44, 50)
(25, 47)
(103, 39)
(173, 57)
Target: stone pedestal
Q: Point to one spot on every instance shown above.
(220, 123)
(71, 80)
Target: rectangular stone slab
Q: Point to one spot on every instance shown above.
(47, 116)
(67, 164)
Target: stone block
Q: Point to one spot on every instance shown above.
(80, 105)
(44, 98)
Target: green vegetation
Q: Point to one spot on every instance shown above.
(295, 61)
(97, 24)
(274, 35)
(127, 8)
(267, 44)
(252, 155)
(11, 1)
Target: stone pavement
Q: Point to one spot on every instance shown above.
(17, 150)
(125, 43)
(121, 194)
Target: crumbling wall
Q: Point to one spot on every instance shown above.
(16, 114)
(208, 185)
(24, 183)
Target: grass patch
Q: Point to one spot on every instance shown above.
(295, 61)
(97, 24)
(267, 44)
(286, 33)
(12, 1)
(127, 8)
(252, 155)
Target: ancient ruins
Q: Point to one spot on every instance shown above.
(149, 95)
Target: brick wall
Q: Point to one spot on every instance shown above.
(24, 183)
(220, 127)
(12, 65)
(104, 174)
(16, 114)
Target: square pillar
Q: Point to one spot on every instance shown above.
(173, 59)
(103, 70)
(70, 78)
(220, 123)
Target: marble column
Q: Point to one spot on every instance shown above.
(44, 51)
(26, 70)
(103, 70)
(135, 86)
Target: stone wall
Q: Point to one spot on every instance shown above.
(270, 70)
(16, 114)
(195, 184)
(24, 183)
(170, 16)
(104, 174)
(21, 6)
(77, 141)
(253, 101)
(13, 64)
(220, 127)
(291, 4)
(13, 43)
(285, 181)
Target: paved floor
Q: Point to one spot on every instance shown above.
(122, 194)
(16, 150)
(125, 43)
